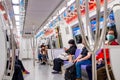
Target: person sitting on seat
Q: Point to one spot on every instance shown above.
(101, 72)
(44, 55)
(83, 59)
(17, 73)
(19, 70)
(19, 62)
(39, 56)
(58, 62)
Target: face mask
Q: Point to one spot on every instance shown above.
(110, 37)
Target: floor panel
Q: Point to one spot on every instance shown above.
(40, 72)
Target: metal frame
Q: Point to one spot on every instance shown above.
(92, 47)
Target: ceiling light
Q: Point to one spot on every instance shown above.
(16, 9)
(17, 26)
(15, 1)
(17, 23)
(70, 2)
(17, 18)
(62, 10)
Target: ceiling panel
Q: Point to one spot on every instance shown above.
(38, 11)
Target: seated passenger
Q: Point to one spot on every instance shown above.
(17, 73)
(100, 59)
(44, 55)
(19, 62)
(83, 59)
(58, 62)
(39, 56)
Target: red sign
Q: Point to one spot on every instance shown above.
(3, 9)
(48, 32)
(73, 16)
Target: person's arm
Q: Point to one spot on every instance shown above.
(100, 54)
(80, 56)
(86, 57)
(65, 48)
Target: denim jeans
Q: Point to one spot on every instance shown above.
(78, 67)
(89, 70)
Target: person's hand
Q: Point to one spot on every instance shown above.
(99, 61)
(65, 48)
(75, 60)
(79, 60)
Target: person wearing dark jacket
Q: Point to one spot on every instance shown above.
(17, 73)
(58, 62)
(83, 59)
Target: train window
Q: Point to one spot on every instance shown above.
(78, 39)
(111, 23)
(77, 35)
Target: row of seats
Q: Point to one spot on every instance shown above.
(84, 73)
(56, 52)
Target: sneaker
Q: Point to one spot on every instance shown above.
(56, 72)
(43, 63)
(26, 72)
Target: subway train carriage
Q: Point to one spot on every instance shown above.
(59, 39)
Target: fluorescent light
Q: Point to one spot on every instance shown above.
(16, 9)
(70, 2)
(17, 27)
(11, 27)
(45, 27)
(15, 1)
(17, 23)
(17, 18)
(62, 10)
(18, 30)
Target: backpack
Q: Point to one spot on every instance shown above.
(70, 73)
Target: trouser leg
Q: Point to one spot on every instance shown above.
(78, 67)
(101, 74)
(20, 64)
(17, 73)
(57, 64)
(89, 71)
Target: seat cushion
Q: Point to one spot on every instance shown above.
(65, 62)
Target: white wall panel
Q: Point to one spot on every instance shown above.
(66, 36)
(25, 48)
(115, 62)
(3, 53)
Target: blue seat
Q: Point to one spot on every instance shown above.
(77, 53)
(84, 73)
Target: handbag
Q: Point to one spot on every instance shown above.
(68, 65)
(63, 56)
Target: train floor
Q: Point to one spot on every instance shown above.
(40, 72)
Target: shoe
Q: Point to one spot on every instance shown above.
(43, 63)
(56, 72)
(26, 72)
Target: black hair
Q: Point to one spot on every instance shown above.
(115, 32)
(71, 41)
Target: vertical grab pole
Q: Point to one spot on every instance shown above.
(34, 46)
(92, 47)
(33, 50)
(51, 47)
